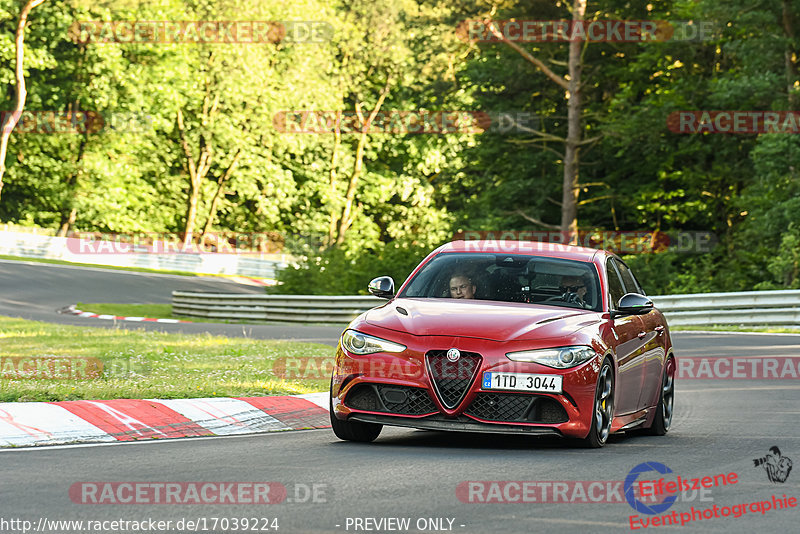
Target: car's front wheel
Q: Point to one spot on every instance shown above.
(603, 413)
(354, 430)
(666, 401)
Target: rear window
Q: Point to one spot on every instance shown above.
(508, 278)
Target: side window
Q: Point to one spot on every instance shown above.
(628, 280)
(615, 288)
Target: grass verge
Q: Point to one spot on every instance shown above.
(149, 364)
(152, 311)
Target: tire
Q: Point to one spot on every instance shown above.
(354, 430)
(603, 408)
(666, 402)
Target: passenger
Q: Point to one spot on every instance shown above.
(462, 287)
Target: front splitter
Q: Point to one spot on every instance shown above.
(454, 425)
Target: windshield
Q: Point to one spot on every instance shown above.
(508, 278)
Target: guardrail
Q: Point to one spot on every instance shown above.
(774, 308)
(282, 308)
(778, 308)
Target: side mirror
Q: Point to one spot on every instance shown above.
(632, 304)
(382, 287)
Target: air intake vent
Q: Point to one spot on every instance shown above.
(402, 400)
(452, 380)
(511, 407)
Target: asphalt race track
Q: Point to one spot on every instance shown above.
(720, 427)
(36, 290)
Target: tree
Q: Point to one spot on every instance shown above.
(364, 66)
(10, 119)
(572, 85)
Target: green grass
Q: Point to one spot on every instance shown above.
(110, 267)
(734, 328)
(150, 364)
(154, 311)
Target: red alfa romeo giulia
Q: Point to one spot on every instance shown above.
(509, 337)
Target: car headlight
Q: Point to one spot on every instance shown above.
(559, 358)
(358, 343)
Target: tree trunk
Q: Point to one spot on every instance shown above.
(197, 172)
(347, 216)
(574, 139)
(10, 119)
(790, 56)
(346, 219)
(569, 207)
(337, 141)
(191, 215)
(68, 222)
(212, 211)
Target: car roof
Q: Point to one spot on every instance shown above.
(531, 248)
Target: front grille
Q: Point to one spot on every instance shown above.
(387, 398)
(494, 407)
(452, 380)
(509, 407)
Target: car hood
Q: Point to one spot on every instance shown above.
(496, 321)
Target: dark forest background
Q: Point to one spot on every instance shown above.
(209, 159)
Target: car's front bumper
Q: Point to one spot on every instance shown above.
(363, 386)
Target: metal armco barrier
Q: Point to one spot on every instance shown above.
(774, 308)
(778, 308)
(281, 308)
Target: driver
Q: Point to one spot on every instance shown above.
(462, 286)
(573, 289)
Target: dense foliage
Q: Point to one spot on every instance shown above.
(206, 154)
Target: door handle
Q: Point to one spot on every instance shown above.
(660, 330)
(642, 334)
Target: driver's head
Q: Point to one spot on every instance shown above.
(461, 287)
(573, 284)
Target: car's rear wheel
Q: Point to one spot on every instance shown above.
(666, 402)
(603, 413)
(354, 430)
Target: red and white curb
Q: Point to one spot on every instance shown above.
(25, 424)
(71, 310)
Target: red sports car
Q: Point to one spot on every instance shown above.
(508, 337)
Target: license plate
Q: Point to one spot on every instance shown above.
(523, 382)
